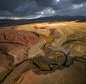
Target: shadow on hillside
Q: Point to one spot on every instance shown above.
(7, 23)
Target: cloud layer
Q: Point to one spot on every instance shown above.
(41, 8)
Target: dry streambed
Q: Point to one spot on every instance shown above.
(43, 48)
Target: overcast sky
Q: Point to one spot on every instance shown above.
(39, 8)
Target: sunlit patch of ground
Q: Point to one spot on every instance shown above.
(66, 37)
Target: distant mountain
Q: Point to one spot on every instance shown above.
(7, 22)
(62, 18)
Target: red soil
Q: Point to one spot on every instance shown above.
(52, 32)
(18, 37)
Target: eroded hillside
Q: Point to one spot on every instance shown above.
(43, 53)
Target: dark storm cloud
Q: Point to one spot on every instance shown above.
(39, 8)
(10, 4)
(26, 9)
(44, 2)
(78, 1)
